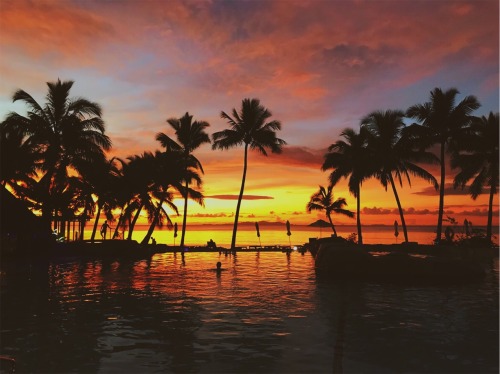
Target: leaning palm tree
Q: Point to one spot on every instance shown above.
(323, 200)
(138, 177)
(190, 135)
(393, 153)
(170, 171)
(350, 158)
(248, 127)
(478, 160)
(440, 123)
(68, 132)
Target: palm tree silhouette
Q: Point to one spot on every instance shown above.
(139, 174)
(322, 200)
(248, 127)
(103, 177)
(190, 135)
(350, 158)
(70, 201)
(67, 132)
(441, 121)
(478, 160)
(170, 171)
(18, 159)
(393, 153)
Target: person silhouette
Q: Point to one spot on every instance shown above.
(104, 229)
(218, 268)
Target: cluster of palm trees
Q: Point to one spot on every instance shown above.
(388, 150)
(54, 158)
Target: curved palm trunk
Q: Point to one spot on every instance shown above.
(331, 223)
(99, 207)
(120, 221)
(115, 233)
(403, 223)
(441, 197)
(358, 217)
(153, 224)
(184, 218)
(132, 224)
(235, 226)
(490, 214)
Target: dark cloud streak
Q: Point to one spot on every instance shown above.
(235, 197)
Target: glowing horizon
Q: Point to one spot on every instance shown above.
(310, 63)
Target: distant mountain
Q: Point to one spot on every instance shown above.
(320, 223)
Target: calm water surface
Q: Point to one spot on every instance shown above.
(273, 235)
(265, 313)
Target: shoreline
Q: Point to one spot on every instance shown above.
(133, 249)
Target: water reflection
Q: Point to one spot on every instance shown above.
(392, 328)
(265, 313)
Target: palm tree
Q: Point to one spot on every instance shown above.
(350, 158)
(323, 200)
(18, 160)
(68, 132)
(84, 203)
(139, 180)
(190, 135)
(103, 177)
(71, 200)
(441, 121)
(124, 194)
(393, 153)
(478, 160)
(170, 171)
(248, 127)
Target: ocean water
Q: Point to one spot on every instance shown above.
(197, 235)
(264, 313)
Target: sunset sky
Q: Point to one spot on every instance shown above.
(319, 66)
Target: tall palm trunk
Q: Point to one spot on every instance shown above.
(240, 197)
(63, 226)
(99, 207)
(403, 223)
(331, 223)
(358, 216)
(441, 197)
(82, 222)
(153, 224)
(184, 218)
(490, 213)
(132, 224)
(47, 213)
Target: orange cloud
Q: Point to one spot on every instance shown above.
(38, 27)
